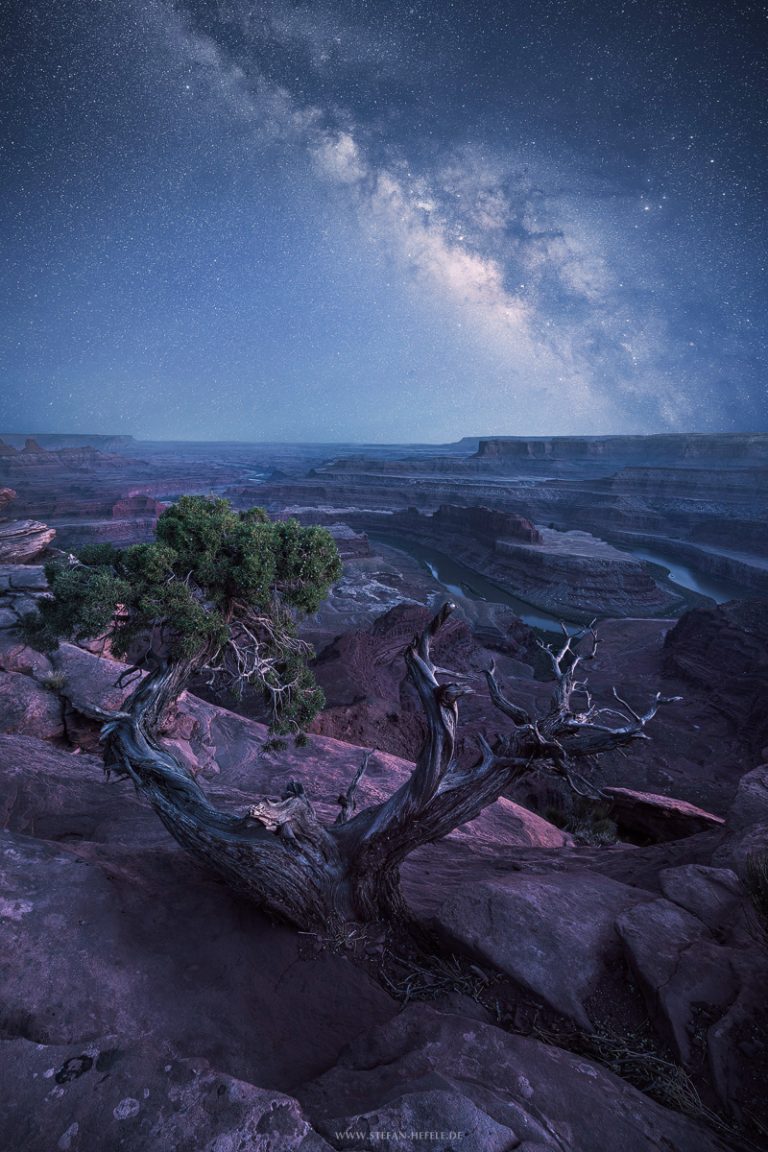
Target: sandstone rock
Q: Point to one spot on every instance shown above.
(106, 1094)
(8, 619)
(27, 578)
(6, 494)
(708, 1000)
(137, 506)
(747, 822)
(51, 793)
(31, 447)
(369, 699)
(679, 967)
(18, 657)
(28, 708)
(750, 804)
(441, 1115)
(658, 818)
(675, 446)
(148, 945)
(714, 895)
(23, 540)
(543, 1097)
(725, 649)
(213, 741)
(570, 572)
(553, 934)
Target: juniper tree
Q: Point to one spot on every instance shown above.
(218, 590)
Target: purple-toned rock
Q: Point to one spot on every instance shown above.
(18, 657)
(103, 1093)
(489, 1085)
(724, 649)
(678, 966)
(553, 934)
(706, 999)
(137, 506)
(29, 709)
(369, 699)
(747, 822)
(714, 895)
(138, 942)
(655, 818)
(212, 741)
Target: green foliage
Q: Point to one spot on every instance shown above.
(213, 576)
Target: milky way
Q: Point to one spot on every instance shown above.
(383, 221)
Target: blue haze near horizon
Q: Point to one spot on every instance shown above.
(392, 222)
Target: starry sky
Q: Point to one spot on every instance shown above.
(383, 221)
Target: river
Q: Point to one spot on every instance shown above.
(678, 572)
(462, 581)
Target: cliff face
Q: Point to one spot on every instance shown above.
(724, 649)
(575, 572)
(730, 449)
(137, 506)
(572, 573)
(484, 525)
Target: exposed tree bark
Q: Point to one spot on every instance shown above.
(311, 874)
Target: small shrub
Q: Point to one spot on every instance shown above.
(54, 681)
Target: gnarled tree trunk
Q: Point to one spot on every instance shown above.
(312, 874)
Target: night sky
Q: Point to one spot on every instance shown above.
(383, 221)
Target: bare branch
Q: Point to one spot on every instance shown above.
(346, 800)
(516, 714)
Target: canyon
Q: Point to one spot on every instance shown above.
(597, 963)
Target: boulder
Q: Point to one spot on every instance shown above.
(28, 708)
(714, 895)
(474, 1079)
(23, 578)
(656, 819)
(23, 540)
(6, 494)
(706, 999)
(553, 934)
(679, 968)
(747, 822)
(18, 657)
(750, 804)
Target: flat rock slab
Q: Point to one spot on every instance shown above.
(23, 577)
(221, 745)
(553, 933)
(108, 1095)
(658, 818)
(23, 540)
(140, 943)
(464, 1073)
